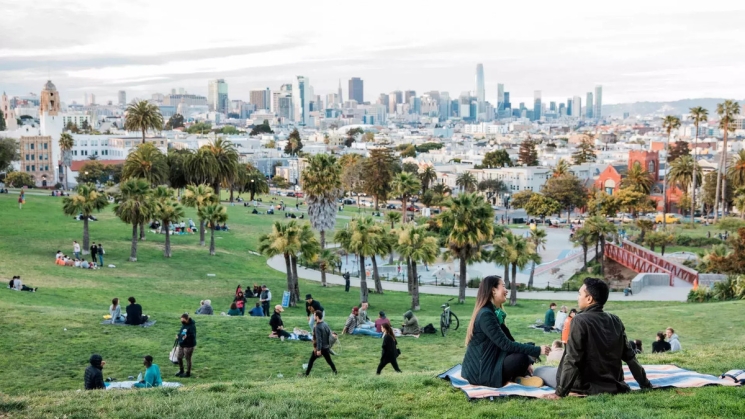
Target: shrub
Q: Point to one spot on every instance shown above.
(475, 282)
(700, 295)
(696, 241)
(19, 179)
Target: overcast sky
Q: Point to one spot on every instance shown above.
(638, 50)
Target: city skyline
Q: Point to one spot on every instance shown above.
(639, 52)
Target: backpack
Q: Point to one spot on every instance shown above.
(429, 329)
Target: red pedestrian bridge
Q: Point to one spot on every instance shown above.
(642, 260)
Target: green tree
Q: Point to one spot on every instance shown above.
(176, 121)
(134, 207)
(92, 172)
(698, 115)
(585, 151)
(362, 238)
(679, 149)
(177, 161)
(634, 202)
(528, 155)
(603, 204)
(143, 116)
(85, 200)
(280, 182)
(9, 152)
(682, 173)
(497, 158)
(710, 192)
(567, 190)
(405, 185)
(3, 127)
(541, 206)
(409, 151)
(168, 211)
(518, 252)
(392, 217)
(727, 111)
(427, 176)
(199, 196)
(378, 174)
(282, 240)
(562, 168)
(255, 182)
(213, 214)
(146, 162)
(412, 168)
(262, 128)
(199, 128)
(66, 142)
(645, 226)
(294, 143)
(520, 199)
(492, 187)
(599, 227)
(736, 171)
(669, 124)
(469, 221)
(583, 238)
(416, 247)
(352, 136)
(467, 182)
(225, 159)
(19, 179)
(538, 238)
(638, 179)
(659, 238)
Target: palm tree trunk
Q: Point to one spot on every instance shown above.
(295, 282)
(532, 272)
(719, 185)
(167, 251)
(201, 232)
(693, 186)
(290, 286)
(409, 275)
(513, 288)
(584, 251)
(602, 253)
(414, 289)
(506, 278)
(143, 136)
(67, 183)
(231, 193)
(212, 241)
(86, 235)
(323, 273)
(363, 281)
(462, 282)
(323, 239)
(142, 231)
(403, 209)
(390, 258)
(133, 251)
(376, 276)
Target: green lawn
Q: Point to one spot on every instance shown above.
(237, 366)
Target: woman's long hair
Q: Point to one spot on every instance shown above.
(483, 297)
(114, 303)
(388, 330)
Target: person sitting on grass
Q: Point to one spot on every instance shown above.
(410, 325)
(58, 256)
(382, 319)
(561, 316)
(492, 358)
(363, 321)
(597, 348)
(567, 325)
(76, 263)
(234, 311)
(134, 313)
(84, 264)
(257, 311)
(278, 326)
(557, 351)
(152, 374)
(17, 285)
(240, 302)
(672, 339)
(390, 350)
(549, 320)
(352, 326)
(205, 308)
(93, 378)
(659, 345)
(115, 310)
(70, 262)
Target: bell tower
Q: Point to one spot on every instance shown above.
(10, 121)
(649, 161)
(50, 124)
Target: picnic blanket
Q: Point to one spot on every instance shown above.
(658, 375)
(146, 324)
(125, 385)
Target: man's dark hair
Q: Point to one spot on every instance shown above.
(319, 315)
(131, 300)
(185, 316)
(598, 289)
(552, 305)
(661, 336)
(149, 359)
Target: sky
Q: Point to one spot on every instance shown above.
(653, 50)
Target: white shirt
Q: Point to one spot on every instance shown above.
(76, 247)
(59, 255)
(77, 263)
(560, 318)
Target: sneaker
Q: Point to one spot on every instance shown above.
(188, 374)
(180, 374)
(282, 338)
(530, 381)
(36, 289)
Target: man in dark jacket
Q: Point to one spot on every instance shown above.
(322, 335)
(278, 326)
(597, 345)
(316, 306)
(94, 373)
(346, 281)
(550, 318)
(134, 313)
(94, 252)
(187, 340)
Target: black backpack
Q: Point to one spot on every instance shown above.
(429, 329)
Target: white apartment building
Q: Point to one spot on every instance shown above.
(77, 118)
(524, 178)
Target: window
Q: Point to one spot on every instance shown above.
(33, 168)
(32, 146)
(45, 146)
(32, 156)
(28, 168)
(46, 168)
(27, 158)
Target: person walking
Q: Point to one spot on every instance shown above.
(316, 306)
(100, 254)
(94, 252)
(346, 281)
(390, 350)
(187, 340)
(21, 200)
(322, 337)
(76, 249)
(265, 298)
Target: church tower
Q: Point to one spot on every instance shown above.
(10, 121)
(649, 160)
(50, 124)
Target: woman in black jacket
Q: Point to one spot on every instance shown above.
(492, 357)
(390, 350)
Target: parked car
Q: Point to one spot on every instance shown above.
(291, 194)
(391, 206)
(412, 208)
(299, 194)
(687, 220)
(669, 218)
(349, 201)
(558, 221)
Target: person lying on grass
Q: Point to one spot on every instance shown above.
(597, 347)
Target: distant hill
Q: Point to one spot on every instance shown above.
(676, 107)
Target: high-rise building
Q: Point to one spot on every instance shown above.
(217, 96)
(507, 104)
(569, 107)
(446, 106)
(302, 95)
(341, 97)
(537, 105)
(356, 90)
(500, 97)
(408, 95)
(122, 97)
(260, 98)
(598, 102)
(383, 99)
(577, 107)
(562, 109)
(394, 98)
(588, 106)
(480, 92)
(552, 106)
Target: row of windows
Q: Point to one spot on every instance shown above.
(41, 157)
(94, 153)
(30, 146)
(517, 188)
(32, 168)
(94, 143)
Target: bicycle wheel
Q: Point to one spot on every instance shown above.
(443, 325)
(456, 322)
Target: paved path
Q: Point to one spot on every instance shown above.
(678, 293)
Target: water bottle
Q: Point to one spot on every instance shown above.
(139, 377)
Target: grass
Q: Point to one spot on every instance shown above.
(236, 366)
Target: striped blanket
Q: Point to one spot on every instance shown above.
(658, 375)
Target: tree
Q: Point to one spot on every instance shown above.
(282, 240)
(736, 172)
(585, 151)
(176, 121)
(685, 202)
(378, 174)
(409, 151)
(416, 247)
(645, 225)
(405, 185)
(146, 162)
(567, 190)
(177, 161)
(262, 128)
(352, 136)
(362, 238)
(294, 143)
(199, 196)
(85, 200)
(583, 238)
(469, 221)
(659, 238)
(633, 201)
(727, 112)
(225, 160)
(520, 199)
(19, 179)
(467, 182)
(427, 176)
(698, 115)
(66, 142)
(518, 253)
(638, 179)
(497, 158)
(199, 128)
(682, 173)
(603, 204)
(213, 214)
(392, 217)
(679, 149)
(408, 167)
(541, 206)
(92, 172)
(669, 124)
(280, 182)
(492, 187)
(9, 152)
(255, 183)
(528, 155)
(538, 238)
(710, 192)
(562, 168)
(599, 227)
(134, 206)
(3, 127)
(168, 211)
(143, 116)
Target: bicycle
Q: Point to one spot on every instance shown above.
(447, 317)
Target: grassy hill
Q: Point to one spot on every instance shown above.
(239, 372)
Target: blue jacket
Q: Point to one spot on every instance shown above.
(152, 378)
(256, 311)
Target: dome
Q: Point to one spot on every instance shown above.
(49, 86)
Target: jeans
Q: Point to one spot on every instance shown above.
(265, 307)
(326, 355)
(548, 374)
(184, 353)
(366, 325)
(312, 321)
(100, 260)
(515, 365)
(283, 333)
(366, 332)
(77, 255)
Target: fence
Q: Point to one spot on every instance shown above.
(676, 269)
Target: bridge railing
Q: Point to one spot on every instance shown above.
(635, 262)
(676, 269)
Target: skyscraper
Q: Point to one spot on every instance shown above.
(356, 90)
(260, 99)
(480, 92)
(394, 98)
(122, 97)
(446, 106)
(598, 102)
(217, 95)
(588, 106)
(577, 107)
(408, 95)
(302, 95)
(537, 105)
(569, 107)
(341, 97)
(507, 104)
(552, 106)
(500, 97)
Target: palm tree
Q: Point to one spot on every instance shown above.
(426, 177)
(255, 183)
(740, 205)
(213, 214)
(146, 162)
(520, 252)
(85, 200)
(281, 241)
(500, 253)
(392, 217)
(638, 179)
(684, 172)
(199, 196)
(644, 225)
(365, 242)
(134, 207)
(599, 228)
(321, 182)
(583, 238)
(143, 116)
(698, 115)
(469, 221)
(736, 172)
(201, 167)
(538, 239)
(670, 123)
(225, 158)
(177, 161)
(168, 211)
(405, 185)
(442, 192)
(416, 247)
(727, 112)
(562, 168)
(467, 182)
(307, 245)
(327, 258)
(66, 142)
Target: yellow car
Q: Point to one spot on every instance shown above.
(669, 218)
